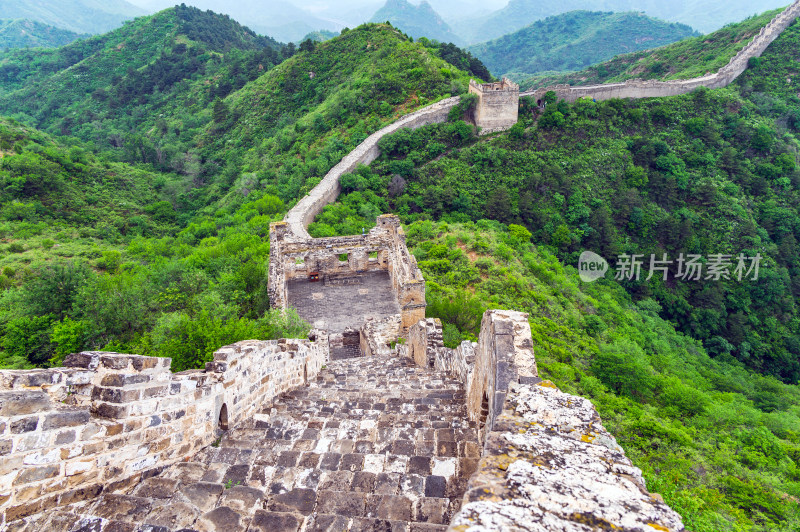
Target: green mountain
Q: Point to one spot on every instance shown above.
(79, 16)
(142, 89)
(416, 20)
(320, 36)
(575, 40)
(686, 59)
(704, 15)
(31, 34)
(236, 162)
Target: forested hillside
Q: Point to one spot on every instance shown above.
(575, 40)
(30, 34)
(175, 264)
(686, 59)
(703, 15)
(143, 90)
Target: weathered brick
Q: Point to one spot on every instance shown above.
(5, 447)
(82, 360)
(113, 430)
(110, 411)
(116, 395)
(155, 391)
(67, 418)
(141, 363)
(34, 474)
(80, 494)
(63, 438)
(22, 403)
(27, 424)
(118, 380)
(116, 361)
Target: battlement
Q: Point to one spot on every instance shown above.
(498, 105)
(504, 85)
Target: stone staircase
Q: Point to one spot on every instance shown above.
(374, 443)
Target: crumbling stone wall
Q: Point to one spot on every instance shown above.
(548, 464)
(637, 88)
(294, 258)
(498, 105)
(107, 420)
(423, 342)
(377, 336)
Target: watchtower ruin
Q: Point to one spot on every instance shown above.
(498, 105)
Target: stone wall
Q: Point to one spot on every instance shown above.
(378, 335)
(637, 88)
(498, 105)
(423, 342)
(548, 464)
(326, 192)
(108, 420)
(291, 258)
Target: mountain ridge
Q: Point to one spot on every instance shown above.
(574, 40)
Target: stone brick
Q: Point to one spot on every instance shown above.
(220, 518)
(340, 503)
(110, 411)
(34, 474)
(301, 501)
(14, 403)
(27, 424)
(118, 380)
(116, 395)
(69, 418)
(203, 495)
(80, 494)
(275, 522)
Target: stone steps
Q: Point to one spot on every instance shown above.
(372, 444)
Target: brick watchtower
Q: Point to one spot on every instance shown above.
(498, 105)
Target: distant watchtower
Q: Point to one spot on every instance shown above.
(498, 105)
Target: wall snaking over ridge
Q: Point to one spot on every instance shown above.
(637, 88)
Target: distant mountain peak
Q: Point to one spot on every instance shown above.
(417, 20)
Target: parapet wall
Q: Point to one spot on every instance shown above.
(107, 420)
(637, 88)
(292, 258)
(326, 192)
(547, 460)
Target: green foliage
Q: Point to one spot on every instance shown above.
(575, 40)
(29, 33)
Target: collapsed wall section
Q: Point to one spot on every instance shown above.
(105, 421)
(637, 88)
(548, 464)
(383, 249)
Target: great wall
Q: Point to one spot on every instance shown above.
(370, 423)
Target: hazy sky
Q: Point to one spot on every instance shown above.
(330, 8)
